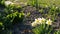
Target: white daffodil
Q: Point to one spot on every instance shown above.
(33, 24)
(56, 7)
(38, 21)
(49, 22)
(41, 20)
(8, 3)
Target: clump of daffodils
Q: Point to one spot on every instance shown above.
(39, 21)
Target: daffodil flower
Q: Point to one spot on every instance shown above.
(33, 24)
(41, 20)
(49, 22)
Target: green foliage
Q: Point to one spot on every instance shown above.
(28, 14)
(2, 2)
(50, 12)
(11, 15)
(12, 19)
(53, 12)
(57, 32)
(41, 11)
(34, 3)
(1, 26)
(43, 29)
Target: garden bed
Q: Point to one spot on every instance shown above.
(17, 18)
